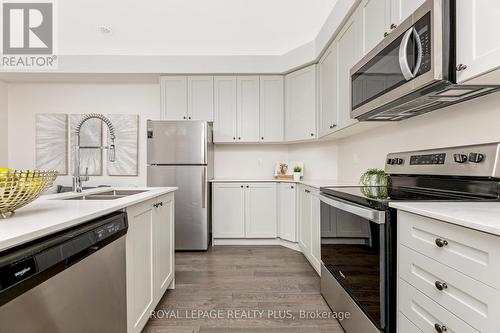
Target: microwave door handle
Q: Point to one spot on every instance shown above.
(403, 57)
(366, 213)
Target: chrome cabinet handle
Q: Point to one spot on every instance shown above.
(441, 285)
(461, 67)
(393, 26)
(403, 57)
(307, 191)
(441, 242)
(386, 34)
(440, 328)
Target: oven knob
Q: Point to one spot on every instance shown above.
(398, 161)
(460, 158)
(390, 161)
(476, 157)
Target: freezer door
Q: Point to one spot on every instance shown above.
(192, 210)
(177, 142)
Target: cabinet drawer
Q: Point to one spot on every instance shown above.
(471, 252)
(424, 313)
(405, 325)
(469, 299)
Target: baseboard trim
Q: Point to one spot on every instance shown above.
(256, 241)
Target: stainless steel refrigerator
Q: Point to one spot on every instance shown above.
(180, 153)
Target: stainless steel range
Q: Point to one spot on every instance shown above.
(358, 226)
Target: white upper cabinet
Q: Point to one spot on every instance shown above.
(349, 44)
(287, 212)
(402, 9)
(225, 127)
(478, 46)
(201, 98)
(248, 108)
(376, 16)
(300, 106)
(174, 97)
(261, 210)
(328, 98)
(271, 108)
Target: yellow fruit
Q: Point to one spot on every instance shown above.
(7, 177)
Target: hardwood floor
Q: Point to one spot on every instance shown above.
(245, 289)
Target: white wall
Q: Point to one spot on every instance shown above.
(247, 161)
(320, 159)
(27, 99)
(3, 125)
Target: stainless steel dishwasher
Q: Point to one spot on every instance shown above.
(72, 282)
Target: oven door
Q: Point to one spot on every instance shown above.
(353, 250)
(410, 58)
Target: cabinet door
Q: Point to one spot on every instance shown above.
(300, 105)
(305, 210)
(201, 98)
(228, 210)
(272, 116)
(327, 71)
(376, 17)
(315, 231)
(402, 9)
(173, 97)
(261, 211)
(140, 265)
(163, 231)
(248, 108)
(287, 212)
(478, 46)
(225, 109)
(349, 45)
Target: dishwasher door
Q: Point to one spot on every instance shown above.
(87, 296)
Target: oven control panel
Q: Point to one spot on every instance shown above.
(427, 159)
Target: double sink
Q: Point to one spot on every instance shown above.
(108, 195)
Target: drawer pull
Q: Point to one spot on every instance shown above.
(440, 328)
(441, 285)
(441, 242)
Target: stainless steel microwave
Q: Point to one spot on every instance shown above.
(413, 70)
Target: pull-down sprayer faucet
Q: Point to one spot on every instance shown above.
(77, 178)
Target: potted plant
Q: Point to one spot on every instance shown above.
(296, 173)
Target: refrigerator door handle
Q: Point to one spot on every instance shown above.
(203, 187)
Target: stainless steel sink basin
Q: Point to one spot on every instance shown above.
(108, 195)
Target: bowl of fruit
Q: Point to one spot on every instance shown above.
(20, 187)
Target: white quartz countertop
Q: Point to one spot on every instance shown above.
(316, 183)
(481, 216)
(49, 214)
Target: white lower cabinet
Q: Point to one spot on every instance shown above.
(244, 210)
(287, 199)
(444, 279)
(150, 257)
(310, 226)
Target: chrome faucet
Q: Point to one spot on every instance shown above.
(77, 178)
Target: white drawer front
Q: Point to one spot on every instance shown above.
(469, 299)
(405, 325)
(425, 313)
(471, 252)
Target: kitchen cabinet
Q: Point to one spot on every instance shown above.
(402, 9)
(260, 210)
(272, 110)
(376, 17)
(228, 210)
(225, 127)
(309, 225)
(349, 44)
(174, 97)
(287, 197)
(187, 97)
(328, 89)
(300, 104)
(248, 108)
(478, 47)
(200, 98)
(149, 257)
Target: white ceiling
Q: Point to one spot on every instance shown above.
(189, 27)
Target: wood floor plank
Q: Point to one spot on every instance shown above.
(273, 281)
